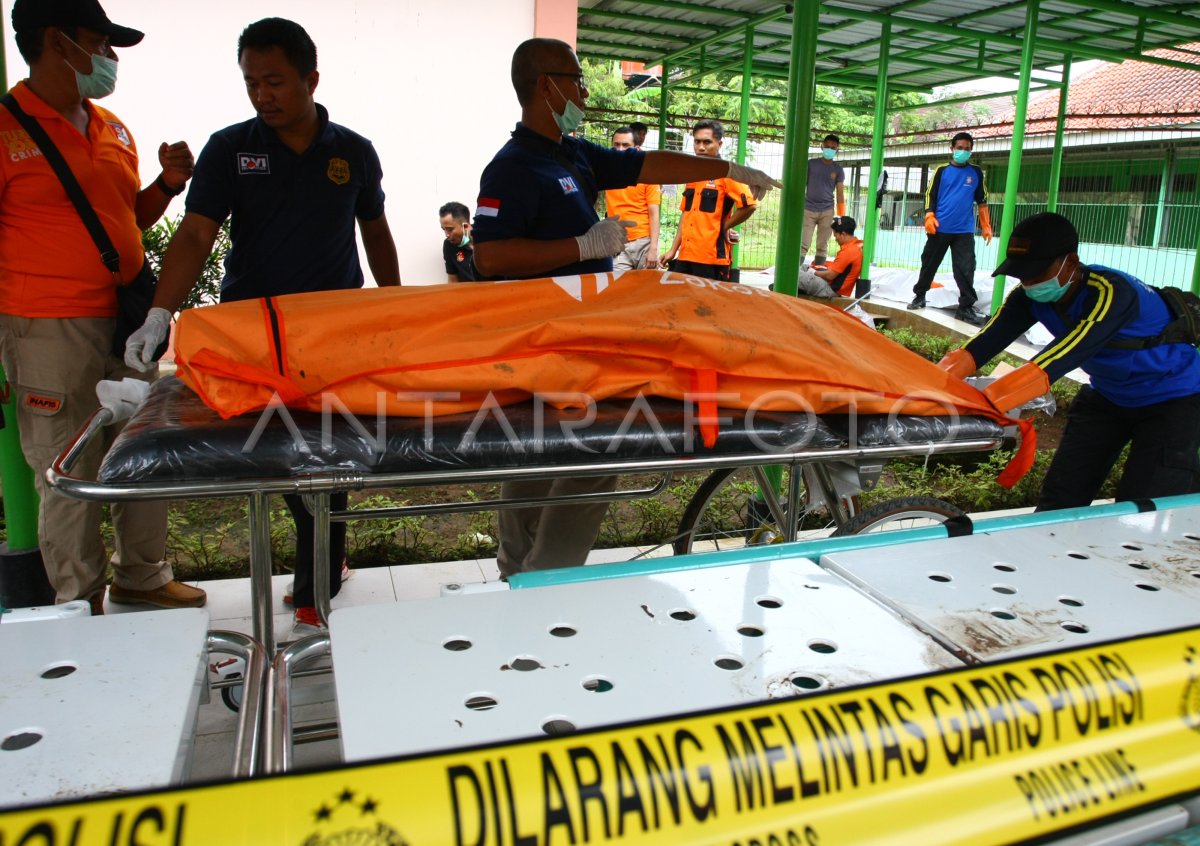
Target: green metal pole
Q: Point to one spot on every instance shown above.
(797, 129)
(1164, 183)
(1196, 270)
(870, 228)
(662, 110)
(744, 114)
(1059, 126)
(744, 110)
(796, 133)
(1013, 180)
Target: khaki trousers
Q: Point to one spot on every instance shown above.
(633, 256)
(551, 536)
(53, 365)
(822, 222)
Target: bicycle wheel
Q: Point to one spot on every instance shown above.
(908, 512)
(725, 513)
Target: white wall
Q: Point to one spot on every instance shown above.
(427, 82)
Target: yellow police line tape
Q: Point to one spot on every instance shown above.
(991, 754)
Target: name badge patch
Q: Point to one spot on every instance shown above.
(253, 163)
(122, 133)
(44, 404)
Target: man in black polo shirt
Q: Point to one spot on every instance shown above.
(293, 184)
(457, 252)
(536, 217)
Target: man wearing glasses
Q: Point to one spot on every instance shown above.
(536, 217)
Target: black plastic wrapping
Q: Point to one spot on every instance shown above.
(175, 437)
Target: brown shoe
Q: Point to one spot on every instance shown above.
(174, 594)
(96, 600)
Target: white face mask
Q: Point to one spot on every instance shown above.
(571, 116)
(101, 82)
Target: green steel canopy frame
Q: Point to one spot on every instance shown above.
(885, 46)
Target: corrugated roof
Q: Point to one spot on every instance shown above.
(934, 42)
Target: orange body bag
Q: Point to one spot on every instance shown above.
(445, 349)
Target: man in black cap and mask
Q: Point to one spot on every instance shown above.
(1144, 391)
(58, 299)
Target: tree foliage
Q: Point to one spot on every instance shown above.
(846, 112)
(207, 289)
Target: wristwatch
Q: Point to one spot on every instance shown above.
(167, 189)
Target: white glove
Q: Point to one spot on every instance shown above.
(605, 239)
(758, 182)
(139, 349)
(122, 398)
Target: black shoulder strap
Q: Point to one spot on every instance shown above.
(108, 253)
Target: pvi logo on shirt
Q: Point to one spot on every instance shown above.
(568, 185)
(970, 180)
(253, 163)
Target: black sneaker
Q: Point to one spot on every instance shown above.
(970, 315)
(918, 302)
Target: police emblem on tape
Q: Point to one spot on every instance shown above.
(353, 809)
(338, 171)
(253, 163)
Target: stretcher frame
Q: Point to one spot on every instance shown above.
(317, 487)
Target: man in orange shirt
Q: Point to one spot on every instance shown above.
(640, 204)
(838, 278)
(710, 211)
(58, 300)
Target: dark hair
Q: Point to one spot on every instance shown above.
(29, 44)
(31, 41)
(625, 129)
(963, 136)
(530, 61)
(833, 138)
(287, 35)
(639, 130)
(718, 131)
(456, 210)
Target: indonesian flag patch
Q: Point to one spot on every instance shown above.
(487, 207)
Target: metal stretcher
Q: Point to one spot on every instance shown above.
(175, 447)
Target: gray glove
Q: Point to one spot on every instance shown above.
(139, 349)
(758, 182)
(605, 239)
(122, 398)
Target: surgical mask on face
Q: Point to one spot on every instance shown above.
(571, 116)
(828, 153)
(961, 156)
(1049, 291)
(101, 82)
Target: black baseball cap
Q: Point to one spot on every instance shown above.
(844, 224)
(29, 15)
(1035, 242)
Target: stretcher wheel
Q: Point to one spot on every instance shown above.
(726, 513)
(910, 512)
(232, 696)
